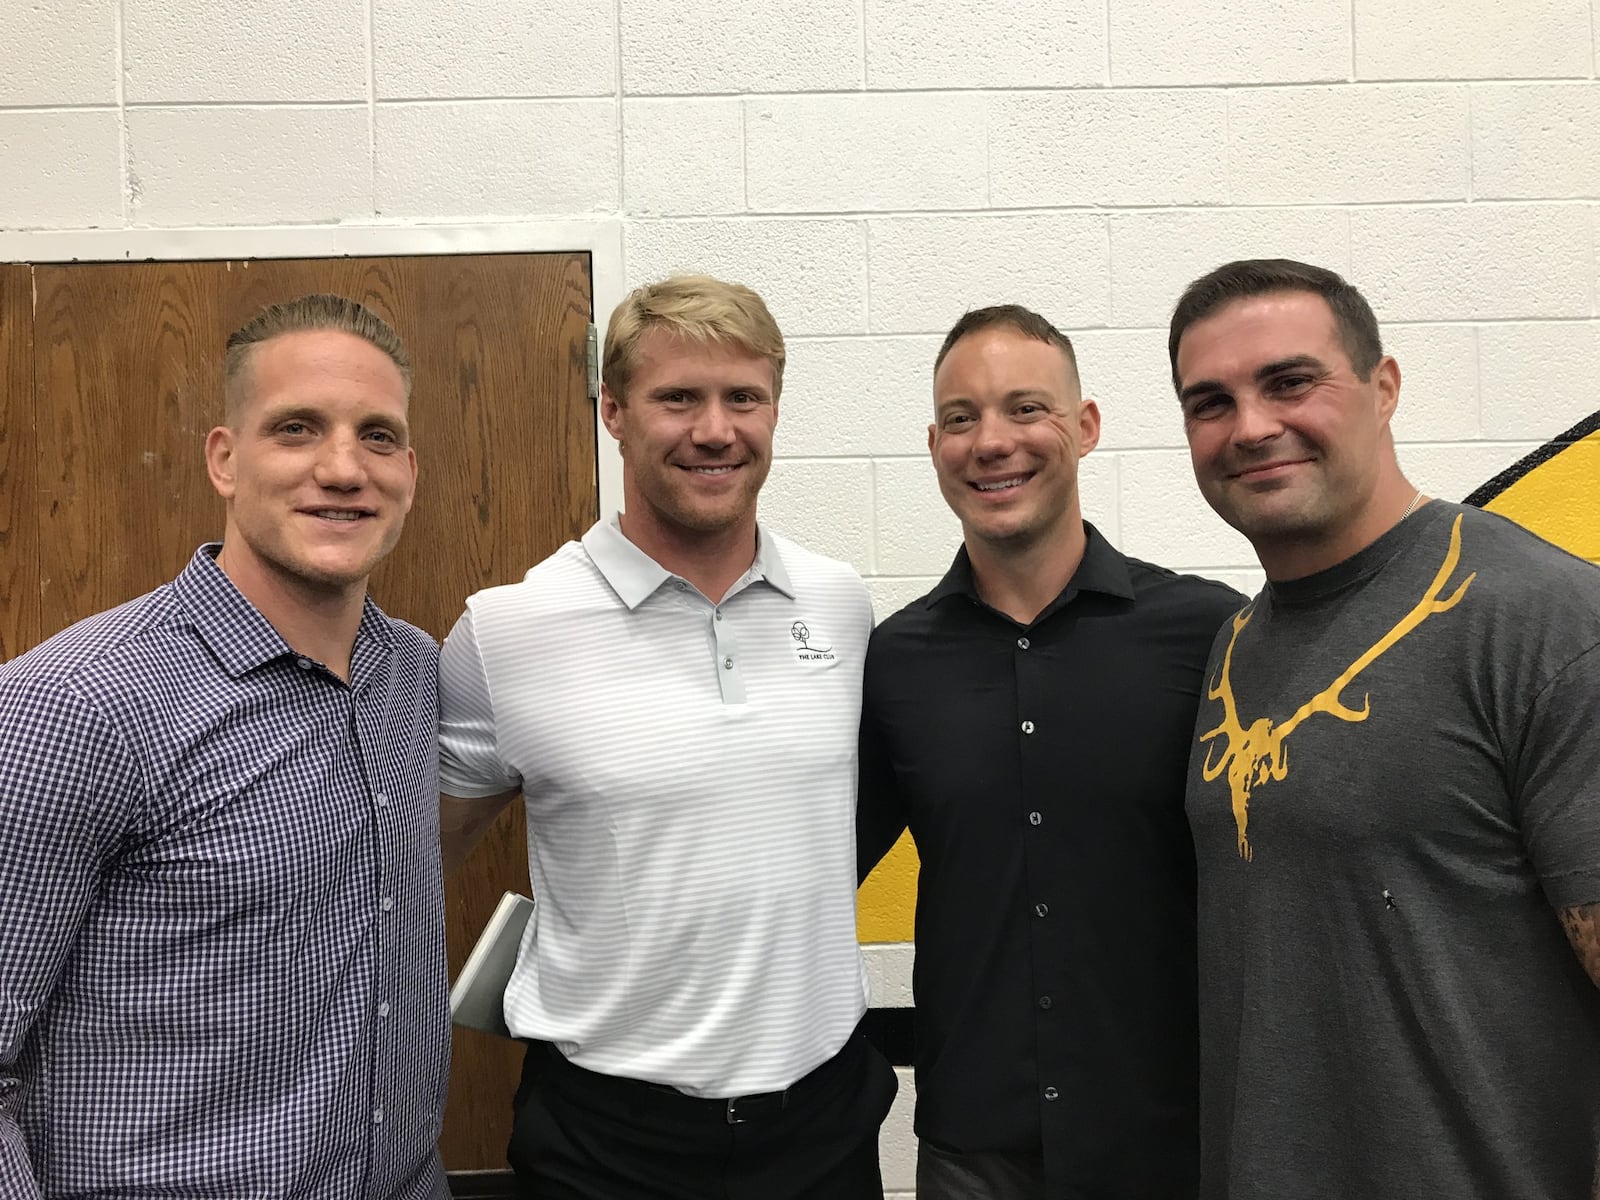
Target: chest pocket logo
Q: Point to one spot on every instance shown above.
(811, 646)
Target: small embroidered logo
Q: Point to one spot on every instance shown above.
(804, 650)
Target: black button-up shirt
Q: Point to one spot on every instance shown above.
(1041, 771)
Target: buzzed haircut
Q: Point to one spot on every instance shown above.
(1007, 316)
(1249, 277)
(696, 307)
(304, 314)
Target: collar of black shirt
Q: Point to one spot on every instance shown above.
(1103, 569)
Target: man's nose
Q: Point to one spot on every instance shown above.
(713, 426)
(339, 463)
(1256, 420)
(995, 437)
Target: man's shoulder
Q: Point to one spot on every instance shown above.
(1168, 594)
(107, 647)
(411, 641)
(1537, 561)
(1527, 586)
(907, 624)
(800, 561)
(567, 574)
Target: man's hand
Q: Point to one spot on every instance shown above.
(1583, 931)
(464, 821)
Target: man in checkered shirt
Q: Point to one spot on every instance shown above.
(221, 922)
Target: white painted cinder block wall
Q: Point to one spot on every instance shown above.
(875, 167)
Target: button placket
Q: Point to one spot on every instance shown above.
(729, 660)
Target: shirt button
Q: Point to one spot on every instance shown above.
(1041, 910)
(682, 586)
(387, 904)
(383, 1009)
(305, 664)
(377, 1115)
(1027, 727)
(727, 664)
(1023, 643)
(381, 799)
(1045, 1002)
(1034, 818)
(1051, 1094)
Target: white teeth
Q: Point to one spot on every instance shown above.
(711, 470)
(1003, 483)
(335, 514)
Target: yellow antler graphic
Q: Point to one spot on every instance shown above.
(1257, 754)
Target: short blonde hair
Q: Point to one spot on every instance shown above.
(304, 314)
(696, 307)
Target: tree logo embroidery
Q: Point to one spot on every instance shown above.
(1257, 754)
(804, 651)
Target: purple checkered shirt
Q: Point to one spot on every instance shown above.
(222, 962)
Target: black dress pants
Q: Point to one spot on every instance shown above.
(579, 1135)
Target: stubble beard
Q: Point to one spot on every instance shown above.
(678, 508)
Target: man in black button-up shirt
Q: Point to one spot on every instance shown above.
(1030, 720)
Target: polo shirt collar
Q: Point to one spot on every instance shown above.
(634, 576)
(1103, 569)
(234, 629)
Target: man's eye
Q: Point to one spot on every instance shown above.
(1206, 406)
(293, 428)
(382, 435)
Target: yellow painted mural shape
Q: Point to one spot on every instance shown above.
(1555, 492)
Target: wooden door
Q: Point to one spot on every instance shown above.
(111, 387)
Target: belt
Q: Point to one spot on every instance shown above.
(736, 1110)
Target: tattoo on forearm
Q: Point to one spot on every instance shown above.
(1582, 924)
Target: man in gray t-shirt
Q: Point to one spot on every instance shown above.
(1394, 792)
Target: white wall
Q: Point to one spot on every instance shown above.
(875, 167)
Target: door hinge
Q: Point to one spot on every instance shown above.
(592, 352)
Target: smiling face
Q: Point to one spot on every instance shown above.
(317, 468)
(1009, 428)
(1289, 445)
(695, 434)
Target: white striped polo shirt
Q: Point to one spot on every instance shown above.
(689, 771)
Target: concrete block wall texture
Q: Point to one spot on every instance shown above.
(875, 167)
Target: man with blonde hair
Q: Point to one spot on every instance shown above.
(222, 954)
(675, 698)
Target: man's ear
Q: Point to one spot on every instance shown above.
(1088, 426)
(611, 413)
(219, 460)
(1386, 378)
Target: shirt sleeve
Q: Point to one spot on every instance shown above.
(68, 783)
(469, 752)
(1557, 783)
(880, 815)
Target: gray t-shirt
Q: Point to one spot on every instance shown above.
(1395, 784)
